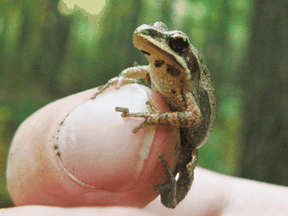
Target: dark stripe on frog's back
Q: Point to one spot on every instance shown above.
(190, 139)
(192, 65)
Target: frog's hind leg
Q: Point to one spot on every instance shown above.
(168, 190)
(186, 177)
(174, 192)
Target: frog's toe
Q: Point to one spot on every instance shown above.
(152, 107)
(142, 125)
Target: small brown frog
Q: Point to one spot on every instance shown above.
(178, 73)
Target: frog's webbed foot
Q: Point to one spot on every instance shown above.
(174, 192)
(150, 118)
(119, 81)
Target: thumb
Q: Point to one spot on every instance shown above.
(80, 152)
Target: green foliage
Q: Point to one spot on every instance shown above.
(46, 55)
(5, 118)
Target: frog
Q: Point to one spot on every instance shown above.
(178, 73)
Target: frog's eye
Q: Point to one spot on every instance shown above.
(178, 42)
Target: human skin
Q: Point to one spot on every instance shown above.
(211, 193)
(89, 152)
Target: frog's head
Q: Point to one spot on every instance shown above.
(173, 48)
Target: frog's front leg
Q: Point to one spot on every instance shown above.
(129, 75)
(190, 118)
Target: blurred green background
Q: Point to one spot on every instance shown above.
(50, 49)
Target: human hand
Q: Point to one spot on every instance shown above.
(49, 183)
(212, 194)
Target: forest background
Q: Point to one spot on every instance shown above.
(50, 49)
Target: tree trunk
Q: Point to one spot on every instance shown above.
(265, 76)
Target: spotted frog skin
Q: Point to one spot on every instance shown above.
(178, 73)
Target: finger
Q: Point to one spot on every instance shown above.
(80, 152)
